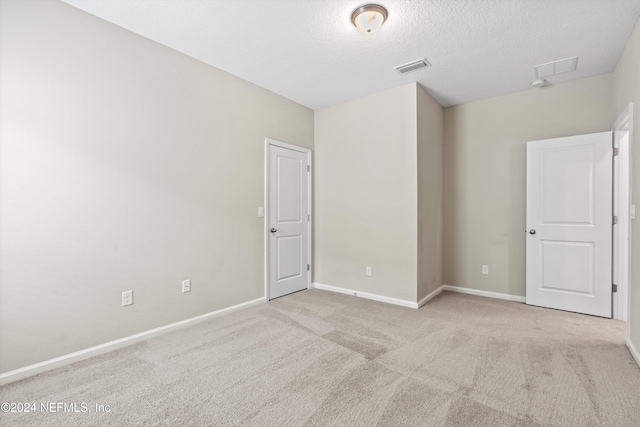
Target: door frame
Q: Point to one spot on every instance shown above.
(268, 143)
(622, 207)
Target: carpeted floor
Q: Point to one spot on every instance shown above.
(320, 358)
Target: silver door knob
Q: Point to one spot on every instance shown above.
(532, 231)
(273, 230)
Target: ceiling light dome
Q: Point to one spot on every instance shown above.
(540, 83)
(369, 18)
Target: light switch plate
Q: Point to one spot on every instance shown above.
(261, 212)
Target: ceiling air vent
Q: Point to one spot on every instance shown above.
(556, 67)
(413, 65)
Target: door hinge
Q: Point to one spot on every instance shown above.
(615, 220)
(308, 168)
(308, 217)
(308, 267)
(614, 287)
(615, 151)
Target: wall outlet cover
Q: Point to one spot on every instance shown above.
(127, 298)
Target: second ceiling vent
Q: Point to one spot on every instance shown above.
(556, 67)
(412, 66)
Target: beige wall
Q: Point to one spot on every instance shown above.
(626, 86)
(123, 165)
(365, 202)
(430, 117)
(484, 173)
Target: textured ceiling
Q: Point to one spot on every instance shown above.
(308, 50)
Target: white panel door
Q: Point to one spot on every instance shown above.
(569, 220)
(288, 221)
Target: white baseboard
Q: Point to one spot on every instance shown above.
(431, 296)
(488, 294)
(470, 291)
(67, 359)
(423, 301)
(367, 295)
(634, 351)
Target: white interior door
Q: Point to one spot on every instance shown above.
(288, 220)
(569, 220)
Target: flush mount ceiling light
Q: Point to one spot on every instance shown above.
(369, 18)
(540, 83)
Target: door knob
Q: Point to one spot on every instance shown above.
(273, 230)
(532, 231)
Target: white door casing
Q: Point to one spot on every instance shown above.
(622, 134)
(620, 231)
(569, 220)
(288, 219)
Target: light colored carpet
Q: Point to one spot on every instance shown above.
(320, 358)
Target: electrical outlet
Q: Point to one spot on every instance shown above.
(367, 271)
(127, 298)
(260, 212)
(186, 286)
(485, 269)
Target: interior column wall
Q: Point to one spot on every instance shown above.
(365, 206)
(430, 117)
